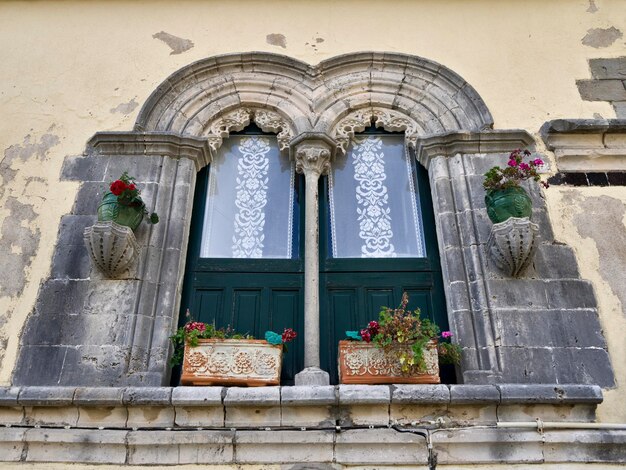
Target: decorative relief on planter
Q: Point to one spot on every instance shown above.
(512, 244)
(365, 363)
(113, 248)
(232, 362)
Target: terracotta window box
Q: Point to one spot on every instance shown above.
(251, 362)
(365, 363)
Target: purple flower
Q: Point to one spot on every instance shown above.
(538, 162)
(513, 162)
(446, 334)
(524, 166)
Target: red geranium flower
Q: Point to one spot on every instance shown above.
(118, 187)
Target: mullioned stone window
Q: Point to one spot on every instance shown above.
(86, 329)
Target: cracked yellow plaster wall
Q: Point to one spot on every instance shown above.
(69, 69)
(592, 220)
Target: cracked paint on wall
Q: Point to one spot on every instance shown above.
(17, 153)
(592, 7)
(18, 244)
(176, 44)
(125, 108)
(599, 37)
(276, 39)
(20, 236)
(593, 222)
(609, 237)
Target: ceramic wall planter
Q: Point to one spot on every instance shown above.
(111, 209)
(251, 362)
(503, 204)
(365, 363)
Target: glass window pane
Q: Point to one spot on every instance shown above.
(250, 199)
(374, 205)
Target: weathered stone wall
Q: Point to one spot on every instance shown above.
(63, 80)
(592, 220)
(608, 83)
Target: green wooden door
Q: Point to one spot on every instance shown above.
(254, 295)
(353, 289)
(251, 295)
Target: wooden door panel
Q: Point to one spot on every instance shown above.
(253, 303)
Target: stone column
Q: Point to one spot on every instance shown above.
(312, 157)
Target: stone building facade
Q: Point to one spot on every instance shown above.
(84, 359)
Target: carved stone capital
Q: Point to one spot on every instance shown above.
(237, 120)
(312, 158)
(387, 119)
(512, 244)
(312, 153)
(112, 248)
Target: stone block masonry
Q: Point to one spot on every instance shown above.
(608, 83)
(88, 330)
(408, 425)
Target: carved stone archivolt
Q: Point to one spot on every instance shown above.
(112, 248)
(237, 120)
(387, 119)
(512, 244)
(314, 98)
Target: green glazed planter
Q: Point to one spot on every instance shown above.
(502, 204)
(111, 209)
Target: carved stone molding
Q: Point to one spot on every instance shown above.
(112, 248)
(270, 121)
(237, 120)
(587, 145)
(491, 141)
(387, 119)
(151, 145)
(512, 244)
(313, 98)
(313, 158)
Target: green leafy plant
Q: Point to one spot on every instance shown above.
(125, 188)
(514, 172)
(192, 331)
(401, 327)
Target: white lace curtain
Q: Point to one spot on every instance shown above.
(249, 207)
(374, 205)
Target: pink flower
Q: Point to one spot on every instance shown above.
(195, 325)
(537, 162)
(524, 166)
(446, 334)
(365, 335)
(512, 162)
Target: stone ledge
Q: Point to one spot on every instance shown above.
(549, 394)
(587, 145)
(386, 446)
(152, 144)
(301, 396)
(489, 141)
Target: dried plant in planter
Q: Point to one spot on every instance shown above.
(407, 349)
